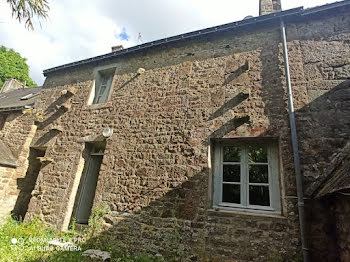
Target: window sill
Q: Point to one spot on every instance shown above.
(246, 212)
(266, 209)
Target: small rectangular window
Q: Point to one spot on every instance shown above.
(246, 175)
(103, 83)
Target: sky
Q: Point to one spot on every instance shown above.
(80, 29)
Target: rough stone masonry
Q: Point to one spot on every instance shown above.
(156, 174)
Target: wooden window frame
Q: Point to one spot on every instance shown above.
(103, 89)
(273, 176)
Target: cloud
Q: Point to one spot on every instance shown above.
(72, 32)
(79, 29)
(156, 19)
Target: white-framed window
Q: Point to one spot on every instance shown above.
(246, 175)
(102, 86)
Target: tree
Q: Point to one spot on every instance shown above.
(12, 65)
(24, 10)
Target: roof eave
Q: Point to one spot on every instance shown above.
(15, 108)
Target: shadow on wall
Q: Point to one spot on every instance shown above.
(27, 184)
(177, 225)
(323, 230)
(177, 221)
(56, 109)
(61, 100)
(174, 219)
(53, 117)
(5, 131)
(229, 105)
(324, 126)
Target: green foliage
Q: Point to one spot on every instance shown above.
(26, 249)
(24, 233)
(72, 227)
(12, 65)
(96, 220)
(257, 154)
(24, 10)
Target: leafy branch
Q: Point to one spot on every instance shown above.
(25, 10)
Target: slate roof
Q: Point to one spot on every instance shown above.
(340, 179)
(6, 157)
(13, 100)
(339, 175)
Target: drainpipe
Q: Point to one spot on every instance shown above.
(299, 179)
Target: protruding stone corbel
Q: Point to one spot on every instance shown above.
(39, 117)
(69, 91)
(45, 160)
(64, 106)
(57, 128)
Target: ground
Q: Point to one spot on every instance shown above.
(32, 238)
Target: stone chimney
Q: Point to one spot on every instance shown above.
(117, 48)
(269, 6)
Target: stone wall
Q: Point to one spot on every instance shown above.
(17, 133)
(155, 175)
(319, 54)
(320, 73)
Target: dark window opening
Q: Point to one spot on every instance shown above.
(93, 155)
(2, 121)
(27, 184)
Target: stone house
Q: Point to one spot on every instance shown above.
(11, 84)
(17, 129)
(190, 140)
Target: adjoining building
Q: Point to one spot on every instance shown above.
(17, 129)
(188, 140)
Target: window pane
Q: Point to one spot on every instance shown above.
(232, 173)
(232, 154)
(257, 154)
(259, 195)
(104, 80)
(258, 174)
(231, 194)
(102, 89)
(99, 93)
(96, 150)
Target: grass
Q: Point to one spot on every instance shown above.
(32, 238)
